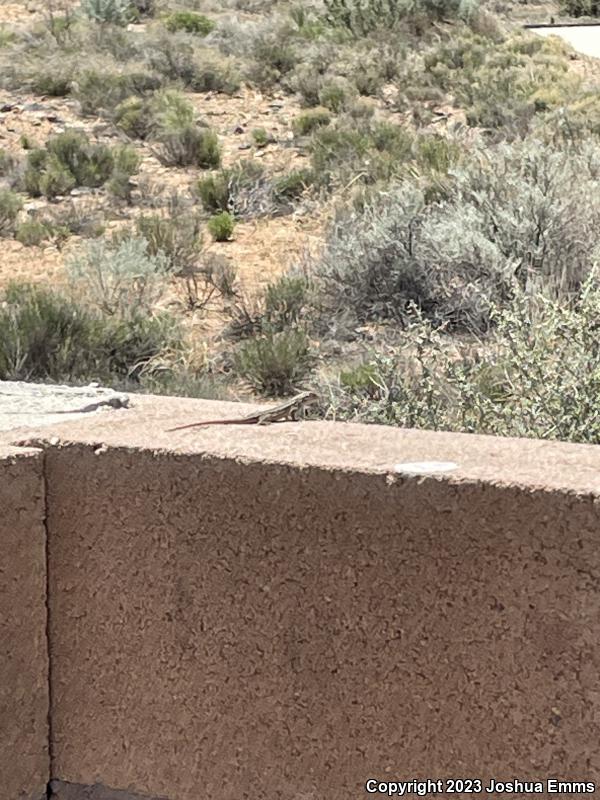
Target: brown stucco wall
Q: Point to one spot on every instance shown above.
(23, 652)
(230, 626)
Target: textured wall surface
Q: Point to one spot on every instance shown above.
(23, 652)
(227, 629)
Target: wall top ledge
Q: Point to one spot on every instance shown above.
(393, 452)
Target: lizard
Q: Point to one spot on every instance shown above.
(292, 410)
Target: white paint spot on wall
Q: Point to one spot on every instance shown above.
(425, 467)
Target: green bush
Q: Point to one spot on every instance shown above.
(45, 336)
(220, 192)
(285, 300)
(115, 12)
(70, 160)
(190, 22)
(32, 232)
(176, 237)
(119, 278)
(190, 146)
(8, 163)
(310, 120)
(502, 87)
(221, 226)
(133, 117)
(539, 376)
(213, 73)
(260, 137)
(171, 110)
(292, 185)
(126, 163)
(183, 141)
(366, 150)
(100, 91)
(10, 205)
(361, 17)
(473, 247)
(580, 8)
(273, 53)
(275, 364)
(7, 37)
(336, 94)
(213, 191)
(54, 78)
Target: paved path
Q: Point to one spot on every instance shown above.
(35, 404)
(584, 38)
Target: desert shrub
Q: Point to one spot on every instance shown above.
(573, 122)
(220, 226)
(133, 117)
(175, 236)
(502, 87)
(538, 376)
(47, 336)
(213, 73)
(171, 110)
(307, 77)
(10, 205)
(190, 145)
(285, 302)
(69, 160)
(79, 217)
(367, 149)
(292, 185)
(308, 121)
(275, 364)
(101, 90)
(7, 36)
(126, 162)
(273, 53)
(178, 59)
(119, 277)
(90, 164)
(114, 12)
(336, 94)
(190, 22)
(362, 17)
(232, 189)
(580, 8)
(32, 232)
(9, 163)
(183, 141)
(213, 191)
(516, 216)
(53, 77)
(260, 137)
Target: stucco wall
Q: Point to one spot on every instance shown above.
(225, 628)
(23, 651)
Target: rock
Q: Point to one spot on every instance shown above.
(6, 107)
(244, 147)
(238, 129)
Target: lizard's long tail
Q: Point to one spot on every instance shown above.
(211, 422)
